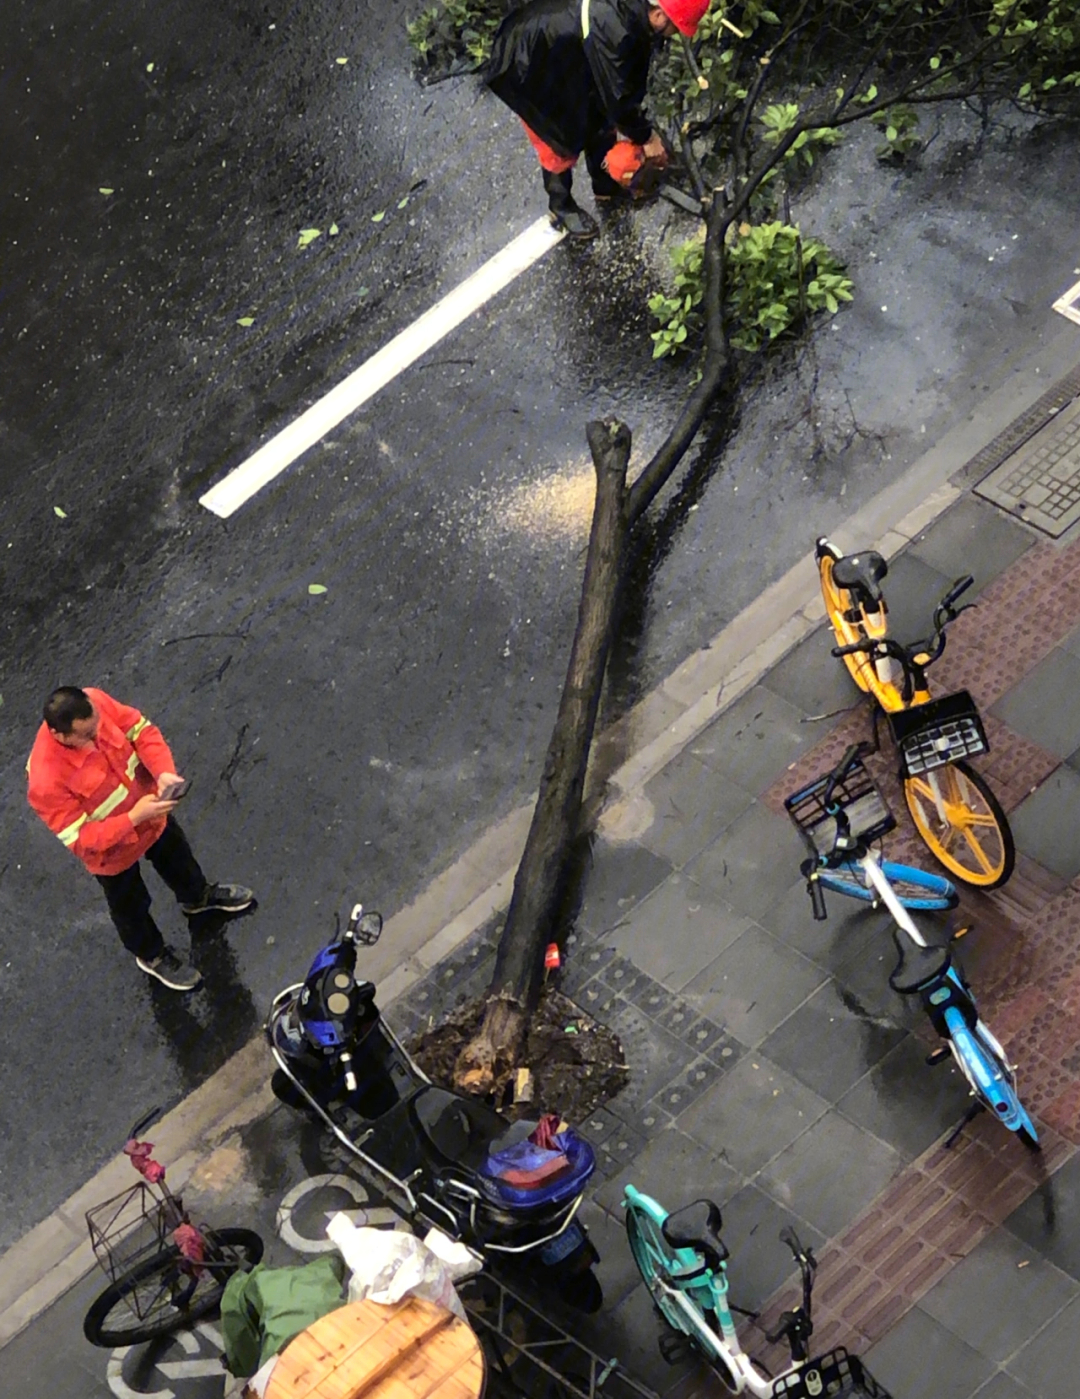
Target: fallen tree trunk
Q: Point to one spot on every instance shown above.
(489, 1059)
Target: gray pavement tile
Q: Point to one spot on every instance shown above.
(1001, 1267)
(51, 1358)
(1049, 1219)
(1044, 824)
(1071, 643)
(830, 1173)
(905, 1102)
(812, 680)
(830, 1042)
(912, 590)
(617, 877)
(754, 1112)
(1049, 1364)
(691, 805)
(753, 985)
(616, 1150)
(1040, 706)
(677, 931)
(751, 865)
(830, 943)
(656, 1058)
(921, 1359)
(863, 974)
(759, 1262)
(617, 1270)
(674, 1169)
(973, 537)
(1003, 1386)
(701, 1075)
(631, 1331)
(755, 740)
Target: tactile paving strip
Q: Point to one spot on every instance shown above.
(1040, 484)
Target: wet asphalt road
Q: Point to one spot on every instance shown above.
(353, 743)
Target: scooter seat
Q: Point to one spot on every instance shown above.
(460, 1129)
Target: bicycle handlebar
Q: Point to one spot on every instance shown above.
(957, 590)
(144, 1122)
(841, 770)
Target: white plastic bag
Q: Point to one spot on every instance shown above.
(387, 1265)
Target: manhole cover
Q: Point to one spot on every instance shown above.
(1040, 483)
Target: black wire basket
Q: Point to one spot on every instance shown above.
(867, 813)
(133, 1226)
(835, 1375)
(936, 733)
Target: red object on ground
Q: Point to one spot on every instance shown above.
(550, 160)
(544, 1133)
(190, 1242)
(685, 15)
(551, 956)
(139, 1152)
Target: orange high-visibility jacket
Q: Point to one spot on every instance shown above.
(84, 794)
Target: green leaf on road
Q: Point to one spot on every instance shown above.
(308, 235)
(61, 514)
(403, 202)
(149, 67)
(341, 60)
(246, 320)
(378, 218)
(315, 589)
(103, 190)
(334, 230)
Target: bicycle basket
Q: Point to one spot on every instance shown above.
(868, 815)
(835, 1375)
(129, 1228)
(936, 733)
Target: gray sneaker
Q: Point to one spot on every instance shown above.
(220, 898)
(171, 971)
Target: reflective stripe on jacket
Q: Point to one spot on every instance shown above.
(84, 794)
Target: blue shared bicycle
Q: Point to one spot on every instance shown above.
(839, 816)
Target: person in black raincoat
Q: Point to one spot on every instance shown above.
(575, 72)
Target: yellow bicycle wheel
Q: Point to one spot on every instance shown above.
(836, 604)
(974, 841)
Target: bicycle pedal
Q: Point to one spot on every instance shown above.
(937, 1056)
(674, 1349)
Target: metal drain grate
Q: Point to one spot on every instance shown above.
(1040, 483)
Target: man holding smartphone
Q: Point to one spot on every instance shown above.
(102, 779)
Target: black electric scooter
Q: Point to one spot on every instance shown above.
(449, 1161)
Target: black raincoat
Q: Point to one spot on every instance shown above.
(571, 90)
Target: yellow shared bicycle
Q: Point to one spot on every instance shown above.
(954, 810)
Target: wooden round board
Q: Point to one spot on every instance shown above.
(410, 1350)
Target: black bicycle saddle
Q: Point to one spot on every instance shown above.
(860, 573)
(917, 965)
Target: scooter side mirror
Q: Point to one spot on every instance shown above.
(369, 929)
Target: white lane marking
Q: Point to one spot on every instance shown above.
(374, 374)
(1068, 304)
(287, 1230)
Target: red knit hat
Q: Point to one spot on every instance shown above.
(685, 15)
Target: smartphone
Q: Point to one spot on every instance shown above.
(177, 790)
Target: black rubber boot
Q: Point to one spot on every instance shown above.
(562, 210)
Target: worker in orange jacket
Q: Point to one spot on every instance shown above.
(97, 774)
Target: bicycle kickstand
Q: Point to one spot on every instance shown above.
(969, 1116)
